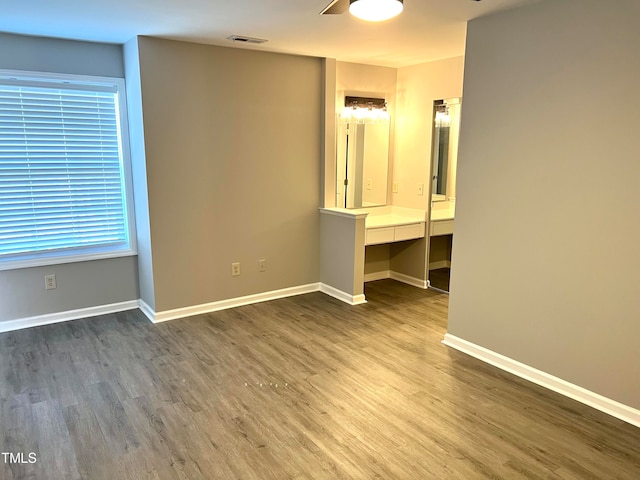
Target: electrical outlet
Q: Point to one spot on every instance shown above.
(395, 187)
(50, 282)
(421, 189)
(235, 269)
(262, 265)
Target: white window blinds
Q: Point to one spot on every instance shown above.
(61, 168)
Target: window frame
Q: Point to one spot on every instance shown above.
(82, 254)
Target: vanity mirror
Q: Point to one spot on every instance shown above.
(362, 153)
(445, 148)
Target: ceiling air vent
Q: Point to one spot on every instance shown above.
(242, 39)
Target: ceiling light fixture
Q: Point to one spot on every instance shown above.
(243, 39)
(375, 10)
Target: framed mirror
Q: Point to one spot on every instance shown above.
(362, 154)
(446, 127)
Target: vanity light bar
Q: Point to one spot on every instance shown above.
(364, 110)
(364, 102)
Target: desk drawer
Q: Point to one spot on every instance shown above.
(379, 235)
(408, 232)
(442, 227)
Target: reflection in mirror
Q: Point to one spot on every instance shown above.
(444, 163)
(362, 157)
(445, 148)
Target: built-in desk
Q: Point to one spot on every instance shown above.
(442, 221)
(396, 226)
(345, 236)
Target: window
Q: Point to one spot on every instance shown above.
(65, 190)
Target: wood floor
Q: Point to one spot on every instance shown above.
(298, 388)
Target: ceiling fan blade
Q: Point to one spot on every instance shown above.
(335, 7)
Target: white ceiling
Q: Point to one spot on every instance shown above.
(427, 29)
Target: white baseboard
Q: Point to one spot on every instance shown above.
(400, 277)
(582, 395)
(146, 309)
(164, 316)
(343, 296)
(440, 264)
(372, 277)
(66, 316)
(416, 282)
(157, 317)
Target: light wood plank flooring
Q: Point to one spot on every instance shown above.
(298, 388)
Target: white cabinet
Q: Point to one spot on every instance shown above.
(376, 236)
(409, 232)
(394, 224)
(441, 227)
(398, 233)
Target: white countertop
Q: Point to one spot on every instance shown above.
(392, 216)
(391, 220)
(443, 214)
(379, 217)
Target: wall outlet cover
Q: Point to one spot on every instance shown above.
(50, 282)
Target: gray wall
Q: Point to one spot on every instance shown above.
(139, 172)
(82, 284)
(39, 54)
(546, 262)
(79, 285)
(342, 253)
(232, 141)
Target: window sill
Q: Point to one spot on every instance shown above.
(56, 258)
